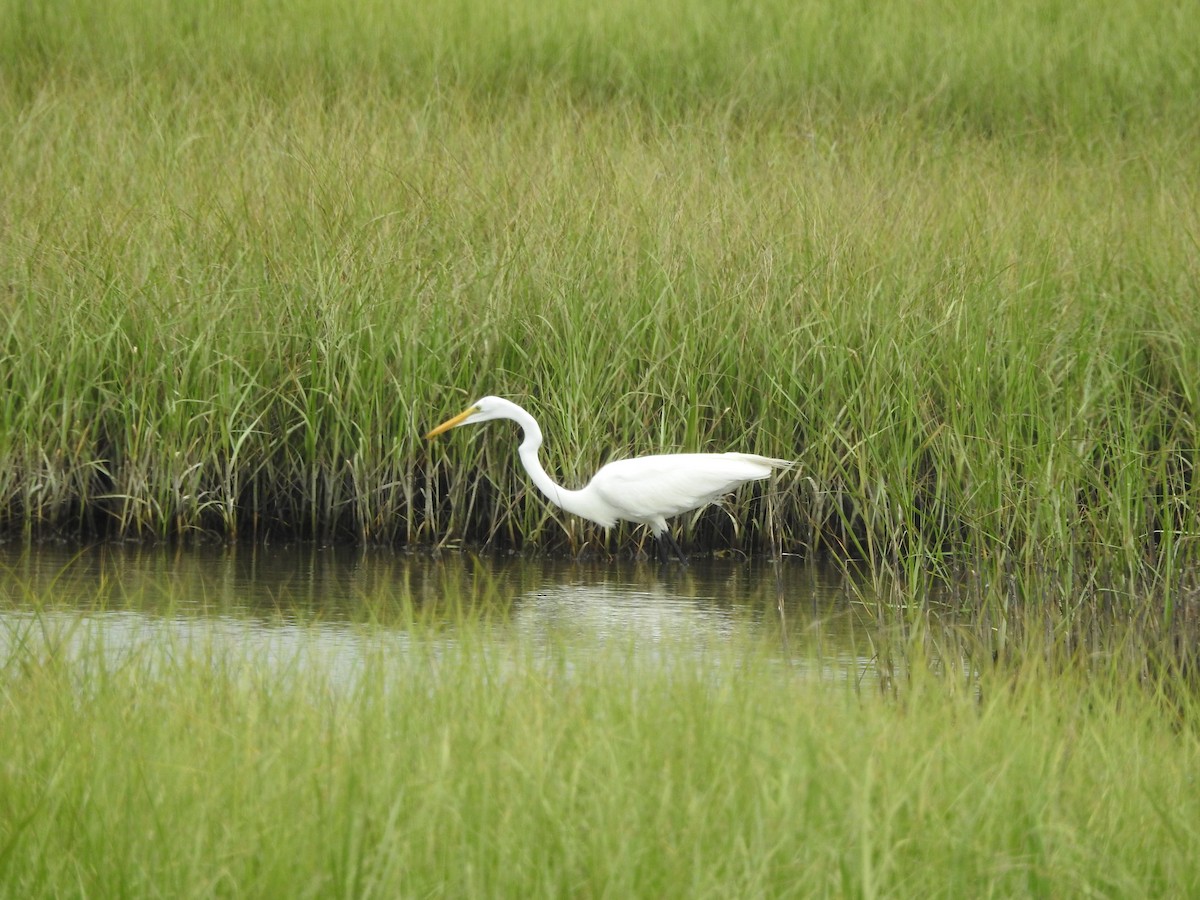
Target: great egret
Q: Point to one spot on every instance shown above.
(645, 489)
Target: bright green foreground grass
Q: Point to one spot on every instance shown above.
(944, 254)
(478, 770)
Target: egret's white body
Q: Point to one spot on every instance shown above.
(644, 489)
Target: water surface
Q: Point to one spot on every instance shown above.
(292, 605)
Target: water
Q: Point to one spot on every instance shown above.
(296, 605)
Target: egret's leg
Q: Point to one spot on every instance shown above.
(668, 545)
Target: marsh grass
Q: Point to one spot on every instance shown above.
(945, 257)
(470, 768)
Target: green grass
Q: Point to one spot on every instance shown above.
(946, 257)
(489, 768)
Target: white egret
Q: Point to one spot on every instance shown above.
(645, 489)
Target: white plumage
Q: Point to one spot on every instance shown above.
(644, 489)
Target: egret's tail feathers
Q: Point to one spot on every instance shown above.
(768, 461)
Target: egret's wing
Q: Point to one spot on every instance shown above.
(650, 487)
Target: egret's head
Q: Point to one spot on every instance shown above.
(481, 410)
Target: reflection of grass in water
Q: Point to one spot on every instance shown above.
(457, 770)
(943, 254)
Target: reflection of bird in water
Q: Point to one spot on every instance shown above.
(644, 489)
(596, 612)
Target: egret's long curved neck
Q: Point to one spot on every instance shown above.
(528, 451)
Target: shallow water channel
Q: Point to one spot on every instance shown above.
(294, 605)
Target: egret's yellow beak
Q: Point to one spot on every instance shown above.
(450, 423)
